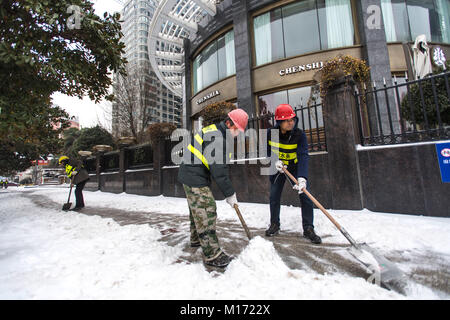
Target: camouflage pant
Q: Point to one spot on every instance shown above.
(202, 213)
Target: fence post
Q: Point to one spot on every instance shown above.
(158, 145)
(98, 164)
(341, 136)
(123, 166)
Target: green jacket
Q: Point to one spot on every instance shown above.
(199, 174)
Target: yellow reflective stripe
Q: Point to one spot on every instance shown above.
(199, 155)
(69, 170)
(285, 156)
(283, 146)
(286, 162)
(198, 138)
(209, 128)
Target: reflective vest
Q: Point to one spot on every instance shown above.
(286, 152)
(199, 138)
(197, 153)
(69, 170)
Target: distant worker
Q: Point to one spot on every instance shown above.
(196, 178)
(78, 176)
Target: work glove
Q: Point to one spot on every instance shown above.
(74, 173)
(232, 200)
(279, 165)
(301, 184)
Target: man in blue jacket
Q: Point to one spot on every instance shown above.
(292, 151)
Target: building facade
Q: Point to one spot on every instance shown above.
(161, 104)
(259, 54)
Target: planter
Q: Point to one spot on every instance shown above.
(85, 153)
(101, 148)
(126, 141)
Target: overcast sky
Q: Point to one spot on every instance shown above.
(89, 113)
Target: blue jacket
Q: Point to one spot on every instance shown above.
(299, 165)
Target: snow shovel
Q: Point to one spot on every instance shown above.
(66, 206)
(384, 271)
(242, 222)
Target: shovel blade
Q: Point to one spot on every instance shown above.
(66, 206)
(385, 271)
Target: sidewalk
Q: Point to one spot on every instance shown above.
(427, 269)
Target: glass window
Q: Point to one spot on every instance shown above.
(143, 19)
(226, 58)
(198, 74)
(305, 101)
(268, 33)
(267, 105)
(301, 29)
(404, 20)
(443, 23)
(396, 29)
(215, 62)
(335, 23)
(421, 13)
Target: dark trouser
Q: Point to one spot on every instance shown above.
(79, 194)
(276, 187)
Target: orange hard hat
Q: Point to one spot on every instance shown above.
(284, 112)
(239, 118)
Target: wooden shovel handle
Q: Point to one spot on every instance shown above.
(242, 222)
(317, 203)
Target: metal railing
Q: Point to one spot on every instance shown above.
(413, 111)
(310, 120)
(139, 156)
(111, 161)
(91, 164)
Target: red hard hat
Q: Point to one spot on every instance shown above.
(284, 112)
(239, 118)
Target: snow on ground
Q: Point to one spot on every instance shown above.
(51, 254)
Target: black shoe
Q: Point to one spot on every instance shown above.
(274, 229)
(195, 244)
(77, 208)
(220, 262)
(312, 236)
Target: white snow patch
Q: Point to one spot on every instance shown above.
(51, 254)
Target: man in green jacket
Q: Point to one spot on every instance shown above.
(78, 176)
(196, 173)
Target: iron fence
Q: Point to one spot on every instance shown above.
(310, 120)
(111, 161)
(139, 156)
(90, 164)
(405, 112)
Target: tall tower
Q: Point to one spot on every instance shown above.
(161, 104)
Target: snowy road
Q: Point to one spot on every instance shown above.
(134, 247)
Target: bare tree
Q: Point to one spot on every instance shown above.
(131, 109)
